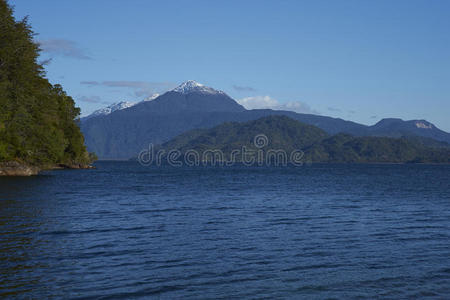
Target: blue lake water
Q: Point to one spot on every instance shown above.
(124, 231)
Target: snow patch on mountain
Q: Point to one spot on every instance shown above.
(111, 108)
(424, 125)
(187, 87)
(119, 106)
(150, 98)
(191, 86)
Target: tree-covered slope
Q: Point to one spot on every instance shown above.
(284, 133)
(274, 132)
(346, 148)
(37, 119)
(123, 133)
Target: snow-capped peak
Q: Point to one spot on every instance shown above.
(193, 86)
(111, 108)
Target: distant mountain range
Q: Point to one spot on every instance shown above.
(122, 131)
(284, 134)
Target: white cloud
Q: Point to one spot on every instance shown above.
(258, 102)
(267, 102)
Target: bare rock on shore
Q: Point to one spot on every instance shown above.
(75, 166)
(14, 168)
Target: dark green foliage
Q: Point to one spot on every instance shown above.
(37, 120)
(289, 135)
(346, 148)
(281, 132)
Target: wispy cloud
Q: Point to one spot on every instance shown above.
(267, 102)
(92, 99)
(90, 82)
(139, 88)
(63, 47)
(243, 88)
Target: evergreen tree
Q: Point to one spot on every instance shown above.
(38, 120)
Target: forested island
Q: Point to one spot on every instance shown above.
(38, 121)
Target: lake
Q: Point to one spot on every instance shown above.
(124, 231)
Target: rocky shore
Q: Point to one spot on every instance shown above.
(14, 168)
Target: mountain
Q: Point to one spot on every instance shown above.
(190, 97)
(117, 106)
(397, 127)
(110, 109)
(281, 133)
(192, 86)
(123, 133)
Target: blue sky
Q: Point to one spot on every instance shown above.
(357, 60)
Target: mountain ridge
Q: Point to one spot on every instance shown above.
(123, 133)
(281, 133)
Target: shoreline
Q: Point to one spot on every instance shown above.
(14, 168)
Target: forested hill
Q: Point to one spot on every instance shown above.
(38, 120)
(288, 135)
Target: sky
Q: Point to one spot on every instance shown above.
(356, 60)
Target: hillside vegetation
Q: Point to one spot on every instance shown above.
(284, 133)
(38, 120)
